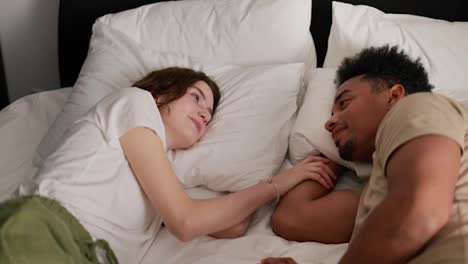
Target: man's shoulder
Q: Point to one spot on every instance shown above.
(418, 115)
(422, 98)
(421, 114)
(427, 101)
(429, 105)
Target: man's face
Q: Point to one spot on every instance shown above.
(357, 112)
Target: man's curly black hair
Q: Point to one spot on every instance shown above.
(385, 66)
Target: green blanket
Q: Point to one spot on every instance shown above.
(36, 229)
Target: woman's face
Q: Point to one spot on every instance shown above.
(186, 118)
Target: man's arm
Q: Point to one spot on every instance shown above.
(421, 178)
(309, 212)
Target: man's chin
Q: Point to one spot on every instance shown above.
(346, 154)
(347, 158)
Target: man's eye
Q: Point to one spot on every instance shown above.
(344, 103)
(197, 98)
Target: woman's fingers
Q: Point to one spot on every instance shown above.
(324, 162)
(330, 171)
(309, 159)
(323, 172)
(278, 261)
(321, 180)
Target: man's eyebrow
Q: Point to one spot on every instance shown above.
(338, 97)
(204, 98)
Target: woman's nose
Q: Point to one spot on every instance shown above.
(205, 116)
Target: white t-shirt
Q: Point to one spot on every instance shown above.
(90, 176)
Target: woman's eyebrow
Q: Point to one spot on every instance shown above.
(200, 91)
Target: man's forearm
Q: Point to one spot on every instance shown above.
(391, 234)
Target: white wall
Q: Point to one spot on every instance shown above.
(28, 36)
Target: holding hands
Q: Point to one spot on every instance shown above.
(319, 169)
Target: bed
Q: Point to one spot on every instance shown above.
(26, 122)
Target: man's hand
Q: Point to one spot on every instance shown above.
(278, 261)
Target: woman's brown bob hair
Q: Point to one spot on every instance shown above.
(173, 82)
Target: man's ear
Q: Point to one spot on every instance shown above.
(395, 93)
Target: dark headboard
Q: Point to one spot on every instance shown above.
(77, 16)
(4, 100)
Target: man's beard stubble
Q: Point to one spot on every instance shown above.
(347, 149)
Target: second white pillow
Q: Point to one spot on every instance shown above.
(441, 45)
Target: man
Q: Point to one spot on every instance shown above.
(414, 208)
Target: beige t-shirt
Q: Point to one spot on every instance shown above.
(416, 115)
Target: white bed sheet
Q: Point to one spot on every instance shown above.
(22, 126)
(259, 242)
(25, 122)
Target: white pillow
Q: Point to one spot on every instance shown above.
(248, 136)
(214, 32)
(308, 135)
(441, 45)
(223, 31)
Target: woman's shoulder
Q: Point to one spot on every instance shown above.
(126, 97)
(130, 93)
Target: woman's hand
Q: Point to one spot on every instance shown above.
(311, 168)
(335, 167)
(278, 261)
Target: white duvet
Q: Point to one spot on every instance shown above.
(25, 122)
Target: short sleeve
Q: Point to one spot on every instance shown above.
(418, 115)
(125, 109)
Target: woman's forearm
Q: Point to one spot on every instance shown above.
(238, 230)
(206, 216)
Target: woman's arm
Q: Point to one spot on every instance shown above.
(187, 218)
(235, 231)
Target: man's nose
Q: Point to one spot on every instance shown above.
(330, 124)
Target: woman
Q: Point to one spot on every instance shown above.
(110, 179)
